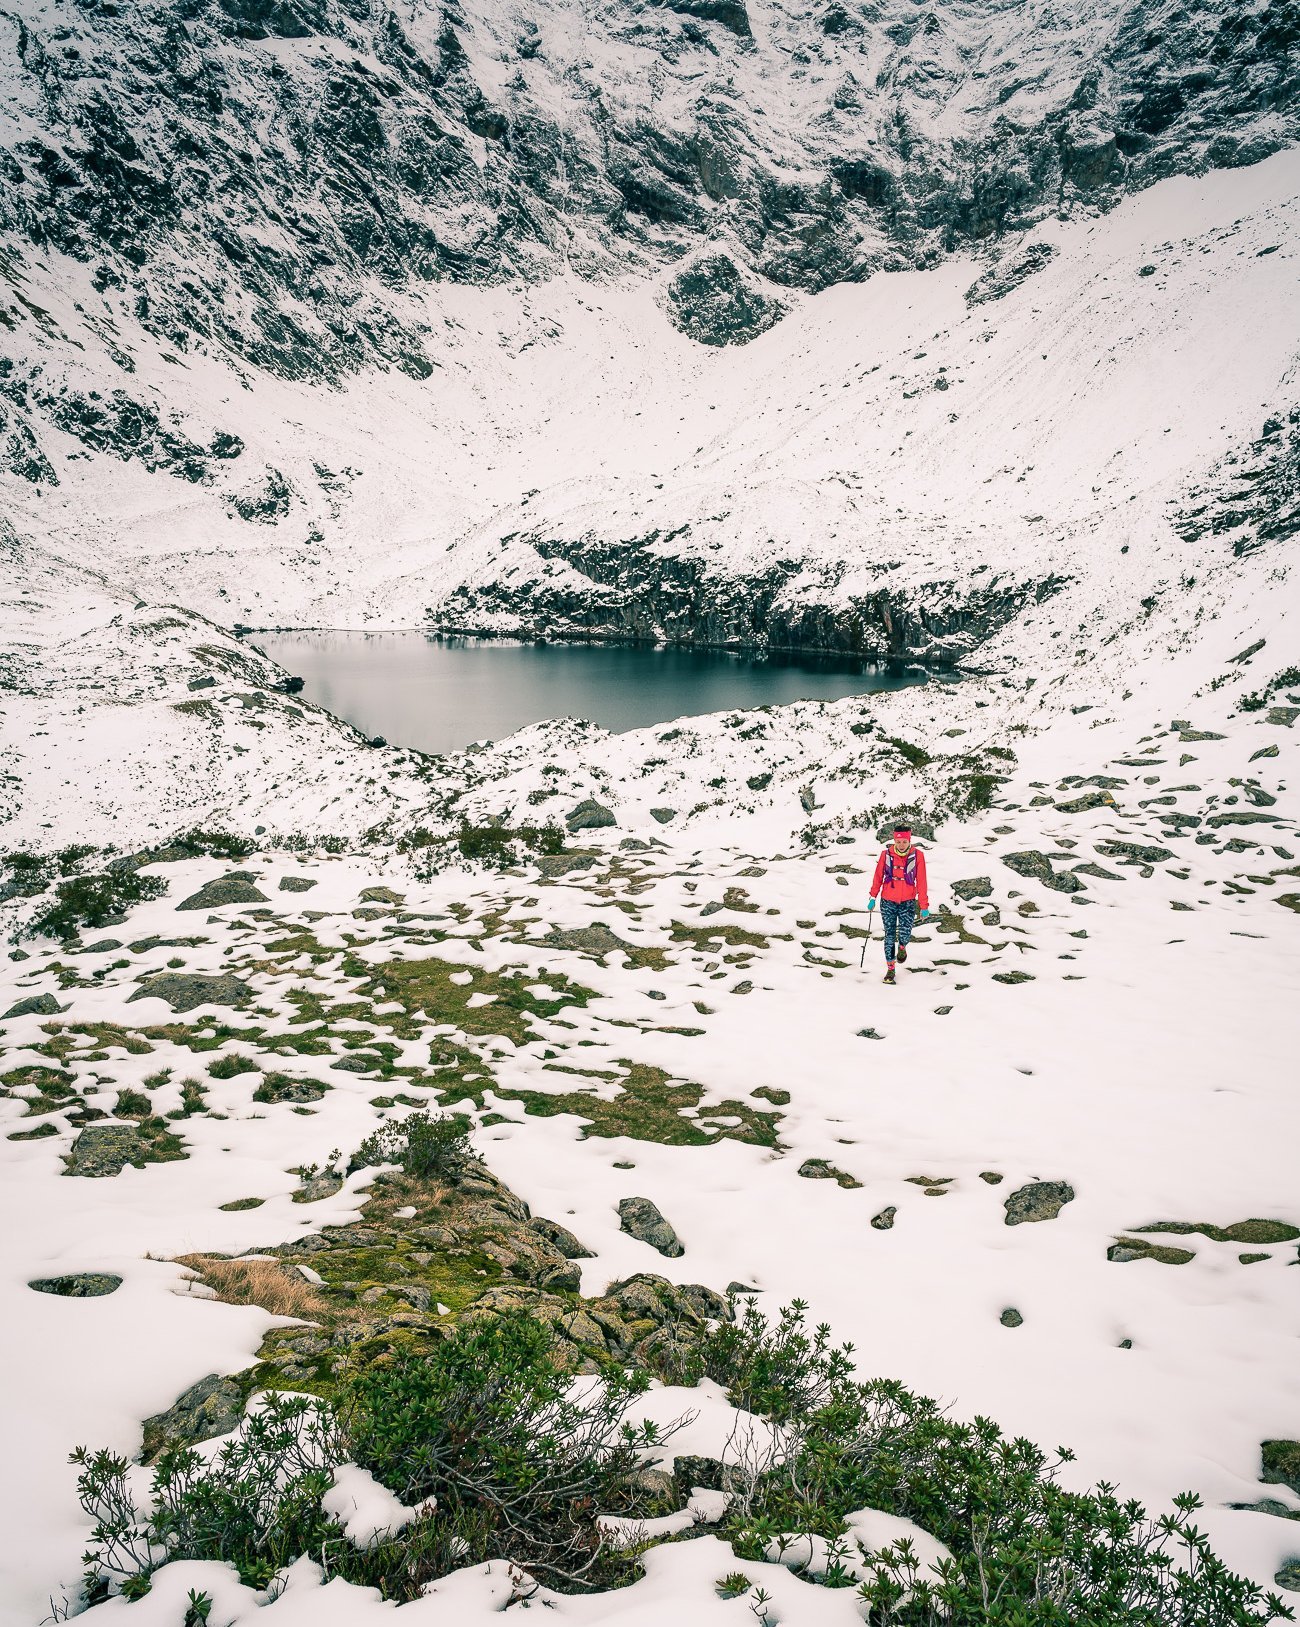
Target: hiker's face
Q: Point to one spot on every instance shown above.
(902, 843)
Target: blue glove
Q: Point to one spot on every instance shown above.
(871, 904)
(924, 913)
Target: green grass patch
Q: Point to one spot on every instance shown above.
(648, 1108)
(425, 987)
(1243, 1231)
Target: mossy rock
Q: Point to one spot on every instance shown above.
(820, 1169)
(1126, 1249)
(1281, 1463)
(80, 1285)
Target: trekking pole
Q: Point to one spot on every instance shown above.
(862, 958)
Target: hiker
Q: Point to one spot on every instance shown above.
(900, 882)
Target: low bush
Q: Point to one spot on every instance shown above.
(431, 1146)
(914, 756)
(520, 1463)
(92, 902)
(497, 844)
(1026, 1552)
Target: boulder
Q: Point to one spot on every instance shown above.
(80, 1285)
(1038, 867)
(1039, 1200)
(1281, 1464)
(663, 816)
(590, 815)
(715, 303)
(233, 889)
(296, 884)
(106, 1149)
(184, 991)
(35, 1005)
(640, 1218)
(973, 887)
(563, 1239)
(211, 1407)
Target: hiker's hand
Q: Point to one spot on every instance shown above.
(924, 913)
(871, 904)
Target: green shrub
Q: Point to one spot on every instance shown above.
(433, 1147)
(496, 844)
(915, 756)
(93, 901)
(1026, 1553)
(519, 1463)
(520, 1467)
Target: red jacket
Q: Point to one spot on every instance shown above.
(901, 879)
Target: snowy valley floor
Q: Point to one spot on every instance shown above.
(1135, 1039)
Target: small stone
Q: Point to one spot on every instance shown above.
(296, 884)
(974, 887)
(1013, 977)
(641, 1219)
(1011, 1318)
(884, 1221)
(663, 816)
(381, 895)
(992, 1177)
(1039, 1200)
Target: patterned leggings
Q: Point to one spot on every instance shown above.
(897, 921)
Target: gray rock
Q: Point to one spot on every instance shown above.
(224, 890)
(184, 991)
(663, 816)
(211, 1407)
(1133, 852)
(102, 1150)
(973, 887)
(1009, 272)
(381, 895)
(884, 1221)
(35, 1005)
(596, 939)
(1011, 1317)
(80, 1285)
(1038, 867)
(640, 1218)
(296, 884)
(562, 1238)
(590, 815)
(1039, 1200)
(1088, 801)
(712, 300)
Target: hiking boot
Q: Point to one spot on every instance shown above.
(902, 953)
(889, 975)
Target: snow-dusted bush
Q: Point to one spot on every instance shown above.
(1025, 1552)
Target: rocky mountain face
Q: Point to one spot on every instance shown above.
(264, 178)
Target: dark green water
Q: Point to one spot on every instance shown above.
(441, 695)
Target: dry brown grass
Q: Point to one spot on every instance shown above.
(275, 1286)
